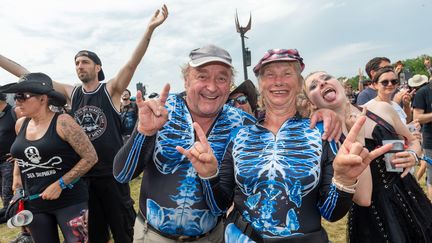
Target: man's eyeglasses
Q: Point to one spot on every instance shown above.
(21, 97)
(386, 82)
(241, 100)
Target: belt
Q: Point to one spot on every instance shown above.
(179, 238)
(245, 227)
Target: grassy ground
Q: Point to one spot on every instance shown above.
(336, 231)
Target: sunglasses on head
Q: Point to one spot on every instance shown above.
(241, 100)
(386, 82)
(21, 97)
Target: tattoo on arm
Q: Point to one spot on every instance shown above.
(79, 141)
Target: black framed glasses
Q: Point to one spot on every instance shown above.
(21, 97)
(386, 82)
(241, 100)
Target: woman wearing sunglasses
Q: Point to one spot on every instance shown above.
(399, 210)
(386, 82)
(51, 153)
(244, 97)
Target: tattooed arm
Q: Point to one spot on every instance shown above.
(72, 133)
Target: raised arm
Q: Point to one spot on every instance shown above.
(18, 70)
(350, 162)
(72, 133)
(119, 83)
(12, 67)
(131, 159)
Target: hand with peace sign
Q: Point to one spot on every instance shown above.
(152, 114)
(352, 158)
(201, 155)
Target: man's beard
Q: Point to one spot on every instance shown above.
(85, 78)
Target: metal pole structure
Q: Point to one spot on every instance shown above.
(245, 51)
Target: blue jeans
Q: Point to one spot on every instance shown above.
(6, 172)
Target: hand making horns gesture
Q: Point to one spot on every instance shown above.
(152, 114)
(352, 158)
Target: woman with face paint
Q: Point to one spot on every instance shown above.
(399, 210)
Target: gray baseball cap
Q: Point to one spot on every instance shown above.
(209, 53)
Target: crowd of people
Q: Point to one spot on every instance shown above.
(218, 162)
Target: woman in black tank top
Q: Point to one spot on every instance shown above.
(51, 153)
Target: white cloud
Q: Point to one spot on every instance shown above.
(335, 35)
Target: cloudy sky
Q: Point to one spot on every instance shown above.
(333, 35)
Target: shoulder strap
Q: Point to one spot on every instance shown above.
(374, 117)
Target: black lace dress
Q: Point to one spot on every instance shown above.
(400, 210)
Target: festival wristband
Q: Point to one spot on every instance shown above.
(63, 185)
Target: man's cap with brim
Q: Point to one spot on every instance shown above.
(279, 55)
(247, 88)
(95, 59)
(36, 83)
(207, 54)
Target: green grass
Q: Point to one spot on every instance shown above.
(336, 230)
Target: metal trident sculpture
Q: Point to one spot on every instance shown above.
(246, 52)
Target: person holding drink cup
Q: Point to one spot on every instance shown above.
(399, 210)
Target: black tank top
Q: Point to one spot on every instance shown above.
(44, 161)
(97, 116)
(7, 132)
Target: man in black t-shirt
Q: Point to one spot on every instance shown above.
(129, 114)
(422, 105)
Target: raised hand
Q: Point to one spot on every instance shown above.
(201, 154)
(158, 17)
(352, 158)
(152, 114)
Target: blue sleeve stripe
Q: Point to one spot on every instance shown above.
(131, 162)
(208, 193)
(334, 147)
(329, 205)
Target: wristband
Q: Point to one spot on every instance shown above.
(63, 185)
(348, 189)
(415, 155)
(210, 177)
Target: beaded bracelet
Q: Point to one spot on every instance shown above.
(210, 177)
(348, 189)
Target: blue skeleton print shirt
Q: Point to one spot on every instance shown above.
(280, 184)
(171, 197)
